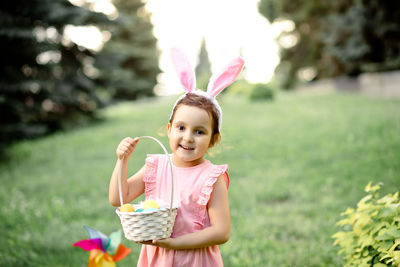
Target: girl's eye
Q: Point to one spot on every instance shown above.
(199, 132)
(181, 128)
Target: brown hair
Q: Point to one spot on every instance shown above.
(204, 103)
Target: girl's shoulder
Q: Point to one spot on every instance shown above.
(219, 168)
(219, 171)
(216, 172)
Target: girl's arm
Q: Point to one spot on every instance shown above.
(217, 233)
(134, 186)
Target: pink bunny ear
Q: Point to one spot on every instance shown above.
(224, 78)
(183, 69)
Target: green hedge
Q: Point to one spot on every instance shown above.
(371, 233)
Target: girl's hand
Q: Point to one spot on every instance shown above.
(126, 147)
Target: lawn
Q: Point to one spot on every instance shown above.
(295, 164)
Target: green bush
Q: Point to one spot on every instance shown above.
(371, 235)
(261, 91)
(240, 88)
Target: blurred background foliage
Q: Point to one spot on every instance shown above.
(335, 38)
(128, 63)
(48, 82)
(203, 67)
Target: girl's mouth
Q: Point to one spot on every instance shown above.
(186, 148)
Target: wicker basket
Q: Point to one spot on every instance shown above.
(148, 225)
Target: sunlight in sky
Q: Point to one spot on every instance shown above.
(88, 36)
(230, 27)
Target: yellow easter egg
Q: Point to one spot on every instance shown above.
(127, 208)
(150, 204)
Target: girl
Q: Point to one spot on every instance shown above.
(203, 219)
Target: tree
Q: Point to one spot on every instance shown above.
(203, 68)
(364, 36)
(128, 63)
(336, 38)
(43, 85)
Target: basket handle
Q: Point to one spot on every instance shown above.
(170, 169)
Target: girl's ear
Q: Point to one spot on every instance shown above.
(183, 69)
(169, 129)
(225, 77)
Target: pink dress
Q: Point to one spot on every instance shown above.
(192, 190)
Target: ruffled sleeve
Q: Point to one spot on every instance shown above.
(208, 186)
(150, 174)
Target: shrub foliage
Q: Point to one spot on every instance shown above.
(261, 91)
(335, 38)
(371, 232)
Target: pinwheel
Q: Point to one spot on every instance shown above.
(104, 250)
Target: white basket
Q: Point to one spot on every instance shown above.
(144, 226)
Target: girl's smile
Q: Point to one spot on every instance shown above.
(186, 148)
(189, 135)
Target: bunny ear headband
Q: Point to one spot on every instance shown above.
(218, 81)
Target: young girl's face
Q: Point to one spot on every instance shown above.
(189, 135)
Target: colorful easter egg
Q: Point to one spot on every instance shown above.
(127, 208)
(150, 204)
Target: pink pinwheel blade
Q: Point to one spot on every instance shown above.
(93, 234)
(89, 244)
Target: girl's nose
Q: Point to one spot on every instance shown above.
(188, 137)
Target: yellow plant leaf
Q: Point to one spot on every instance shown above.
(347, 211)
(343, 222)
(389, 199)
(394, 246)
(362, 221)
(396, 256)
(339, 235)
(379, 226)
(385, 257)
(374, 188)
(366, 241)
(368, 187)
(365, 199)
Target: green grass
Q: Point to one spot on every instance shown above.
(295, 165)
